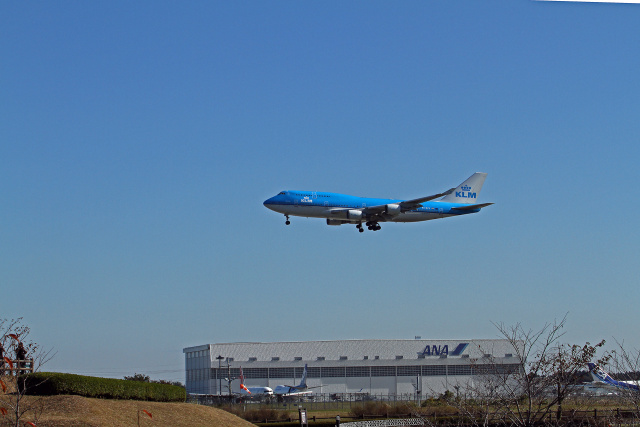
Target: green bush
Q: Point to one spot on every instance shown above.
(384, 409)
(51, 383)
(258, 415)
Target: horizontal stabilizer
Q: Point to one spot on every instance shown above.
(472, 207)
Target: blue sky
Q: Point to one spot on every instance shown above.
(139, 141)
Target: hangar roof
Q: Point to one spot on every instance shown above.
(356, 350)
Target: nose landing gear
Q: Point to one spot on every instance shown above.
(287, 222)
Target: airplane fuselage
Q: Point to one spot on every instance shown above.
(336, 206)
(340, 209)
(285, 390)
(257, 391)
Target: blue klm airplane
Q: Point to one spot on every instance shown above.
(340, 209)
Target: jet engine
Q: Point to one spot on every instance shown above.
(354, 215)
(343, 216)
(393, 209)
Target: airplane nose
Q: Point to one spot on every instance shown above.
(273, 203)
(267, 203)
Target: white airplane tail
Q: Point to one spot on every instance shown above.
(242, 386)
(303, 381)
(468, 191)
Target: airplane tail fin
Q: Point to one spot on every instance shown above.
(468, 191)
(599, 374)
(303, 381)
(242, 386)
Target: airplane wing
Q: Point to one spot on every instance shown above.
(306, 388)
(471, 207)
(405, 205)
(296, 393)
(387, 211)
(291, 387)
(414, 203)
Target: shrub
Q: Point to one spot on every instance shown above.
(51, 383)
(383, 409)
(257, 415)
(443, 400)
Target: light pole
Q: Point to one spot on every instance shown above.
(219, 359)
(229, 379)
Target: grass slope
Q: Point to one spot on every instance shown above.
(77, 411)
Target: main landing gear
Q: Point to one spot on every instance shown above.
(371, 225)
(287, 222)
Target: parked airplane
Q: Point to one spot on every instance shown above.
(600, 375)
(341, 209)
(295, 390)
(253, 391)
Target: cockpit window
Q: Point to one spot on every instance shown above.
(282, 192)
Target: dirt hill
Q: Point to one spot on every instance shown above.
(76, 411)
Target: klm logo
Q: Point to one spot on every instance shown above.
(435, 350)
(466, 192)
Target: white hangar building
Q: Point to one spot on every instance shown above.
(386, 367)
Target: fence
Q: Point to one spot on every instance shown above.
(386, 423)
(603, 410)
(16, 367)
(593, 417)
(573, 417)
(316, 401)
